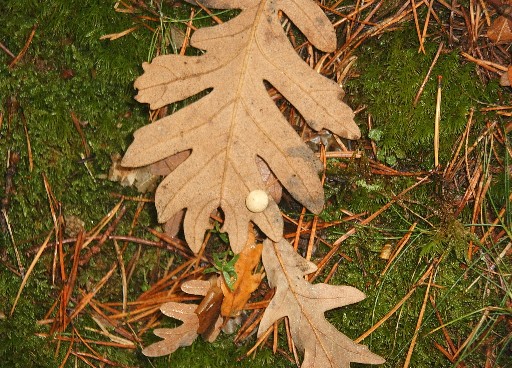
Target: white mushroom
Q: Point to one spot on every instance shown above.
(257, 201)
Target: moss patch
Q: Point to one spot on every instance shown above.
(392, 72)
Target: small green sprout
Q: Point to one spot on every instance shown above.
(224, 267)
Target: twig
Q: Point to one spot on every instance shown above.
(6, 50)
(27, 137)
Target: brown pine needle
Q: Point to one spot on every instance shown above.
(436, 122)
(260, 340)
(21, 269)
(417, 24)
(209, 12)
(104, 221)
(87, 297)
(400, 245)
(25, 47)
(30, 269)
(68, 352)
(186, 39)
(419, 322)
(70, 284)
(489, 65)
(366, 221)
(27, 138)
(447, 337)
(396, 307)
(425, 26)
(115, 36)
(8, 52)
(124, 282)
(422, 87)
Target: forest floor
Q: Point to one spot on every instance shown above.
(417, 214)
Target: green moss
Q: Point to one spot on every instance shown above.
(392, 72)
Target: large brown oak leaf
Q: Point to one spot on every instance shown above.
(305, 304)
(237, 120)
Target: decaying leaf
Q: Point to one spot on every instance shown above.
(73, 225)
(169, 164)
(193, 317)
(500, 30)
(237, 121)
(305, 304)
(141, 177)
(246, 282)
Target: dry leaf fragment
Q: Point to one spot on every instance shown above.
(304, 304)
(500, 30)
(141, 177)
(506, 77)
(238, 121)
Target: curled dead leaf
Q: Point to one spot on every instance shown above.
(246, 282)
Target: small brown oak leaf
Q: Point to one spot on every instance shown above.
(305, 304)
(194, 320)
(237, 121)
(173, 338)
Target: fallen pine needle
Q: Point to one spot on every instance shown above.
(418, 324)
(436, 122)
(396, 307)
(30, 269)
